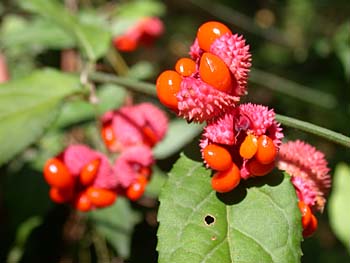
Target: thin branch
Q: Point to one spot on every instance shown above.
(314, 129)
(134, 85)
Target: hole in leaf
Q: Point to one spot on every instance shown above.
(209, 220)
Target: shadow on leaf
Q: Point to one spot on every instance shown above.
(238, 194)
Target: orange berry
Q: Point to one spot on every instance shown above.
(185, 67)
(266, 152)
(248, 147)
(83, 203)
(125, 43)
(136, 189)
(208, 32)
(311, 227)
(168, 85)
(89, 171)
(56, 174)
(150, 138)
(305, 214)
(258, 169)
(108, 136)
(145, 171)
(214, 71)
(59, 195)
(225, 181)
(217, 157)
(101, 197)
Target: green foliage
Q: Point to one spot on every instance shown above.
(128, 13)
(28, 106)
(141, 9)
(20, 34)
(116, 224)
(92, 40)
(22, 235)
(342, 47)
(179, 134)
(338, 205)
(109, 97)
(258, 221)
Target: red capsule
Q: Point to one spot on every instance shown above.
(57, 174)
(100, 197)
(89, 171)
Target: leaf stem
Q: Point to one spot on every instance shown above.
(314, 129)
(134, 85)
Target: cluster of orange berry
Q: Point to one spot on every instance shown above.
(207, 84)
(208, 88)
(64, 185)
(86, 179)
(260, 151)
(308, 220)
(239, 141)
(212, 70)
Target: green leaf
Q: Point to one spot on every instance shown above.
(28, 106)
(142, 70)
(179, 134)
(109, 96)
(257, 222)
(338, 204)
(22, 235)
(342, 47)
(116, 224)
(158, 179)
(33, 36)
(141, 9)
(93, 40)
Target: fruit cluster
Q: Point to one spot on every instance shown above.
(242, 143)
(143, 33)
(310, 177)
(86, 179)
(211, 82)
(239, 141)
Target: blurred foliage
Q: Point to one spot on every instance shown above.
(301, 55)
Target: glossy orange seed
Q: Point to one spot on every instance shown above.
(83, 203)
(101, 197)
(150, 138)
(225, 181)
(214, 71)
(137, 189)
(168, 85)
(59, 195)
(217, 157)
(125, 43)
(57, 174)
(248, 147)
(185, 67)
(208, 32)
(108, 136)
(89, 171)
(258, 169)
(305, 214)
(311, 227)
(266, 152)
(145, 171)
